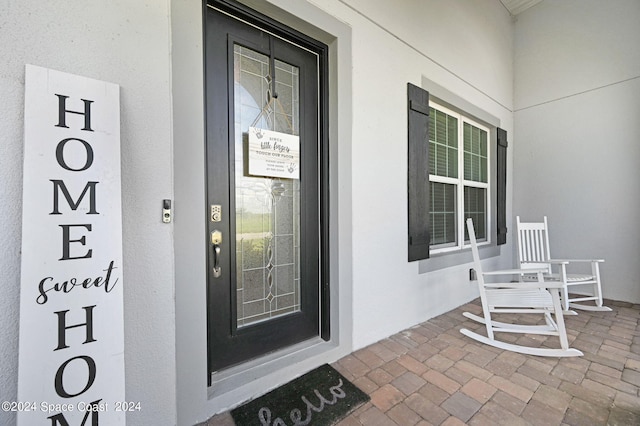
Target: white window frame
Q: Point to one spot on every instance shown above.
(460, 182)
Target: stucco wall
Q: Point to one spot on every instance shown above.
(465, 47)
(577, 145)
(124, 42)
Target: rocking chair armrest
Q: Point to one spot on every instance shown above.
(515, 271)
(565, 261)
(528, 285)
(548, 261)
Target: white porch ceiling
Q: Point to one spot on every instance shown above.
(518, 6)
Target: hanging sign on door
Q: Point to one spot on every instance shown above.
(71, 348)
(273, 154)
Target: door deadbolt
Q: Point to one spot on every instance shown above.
(216, 237)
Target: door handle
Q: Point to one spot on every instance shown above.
(216, 241)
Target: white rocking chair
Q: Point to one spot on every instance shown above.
(540, 297)
(534, 252)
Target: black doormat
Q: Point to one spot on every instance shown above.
(319, 398)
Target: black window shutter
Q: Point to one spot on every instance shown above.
(501, 187)
(418, 172)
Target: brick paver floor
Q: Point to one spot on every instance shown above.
(433, 375)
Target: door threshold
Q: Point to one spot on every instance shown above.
(260, 375)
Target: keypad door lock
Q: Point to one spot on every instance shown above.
(216, 213)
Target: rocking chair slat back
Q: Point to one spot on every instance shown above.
(534, 252)
(533, 244)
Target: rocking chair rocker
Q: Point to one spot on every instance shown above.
(538, 297)
(534, 252)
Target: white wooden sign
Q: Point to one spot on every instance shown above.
(273, 154)
(71, 361)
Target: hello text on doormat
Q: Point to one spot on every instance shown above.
(320, 398)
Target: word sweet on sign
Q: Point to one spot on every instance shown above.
(273, 154)
(71, 369)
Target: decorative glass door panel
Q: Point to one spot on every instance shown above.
(267, 208)
(266, 179)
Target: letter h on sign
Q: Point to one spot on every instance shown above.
(62, 109)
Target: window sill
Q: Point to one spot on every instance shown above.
(445, 260)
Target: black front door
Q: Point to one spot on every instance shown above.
(266, 191)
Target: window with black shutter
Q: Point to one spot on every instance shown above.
(455, 171)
